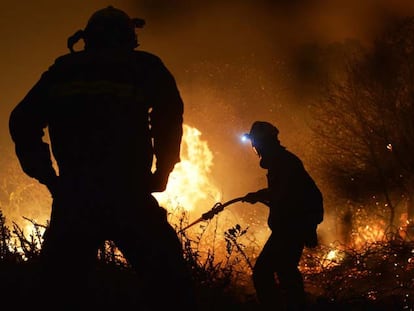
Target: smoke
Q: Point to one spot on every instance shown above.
(241, 61)
(234, 61)
(210, 29)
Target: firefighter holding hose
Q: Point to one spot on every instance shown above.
(295, 210)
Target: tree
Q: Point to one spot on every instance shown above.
(365, 124)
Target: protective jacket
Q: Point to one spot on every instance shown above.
(295, 201)
(126, 94)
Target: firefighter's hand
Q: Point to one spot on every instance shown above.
(158, 181)
(53, 186)
(251, 197)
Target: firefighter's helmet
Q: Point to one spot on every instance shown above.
(262, 133)
(111, 27)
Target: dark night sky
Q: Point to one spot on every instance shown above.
(186, 34)
(222, 53)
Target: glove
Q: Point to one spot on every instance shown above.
(261, 196)
(158, 182)
(52, 185)
(251, 197)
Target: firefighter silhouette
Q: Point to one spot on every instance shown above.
(295, 210)
(109, 110)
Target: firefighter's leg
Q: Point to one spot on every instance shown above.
(68, 252)
(290, 277)
(292, 284)
(154, 250)
(267, 289)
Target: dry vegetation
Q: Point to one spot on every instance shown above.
(377, 276)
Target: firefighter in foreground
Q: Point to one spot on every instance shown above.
(295, 210)
(108, 109)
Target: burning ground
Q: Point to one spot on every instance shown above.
(372, 270)
(375, 276)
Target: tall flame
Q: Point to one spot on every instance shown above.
(189, 184)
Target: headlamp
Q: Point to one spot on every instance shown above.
(245, 137)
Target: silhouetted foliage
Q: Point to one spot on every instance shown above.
(4, 238)
(364, 126)
(376, 276)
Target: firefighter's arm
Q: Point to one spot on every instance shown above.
(262, 196)
(166, 125)
(27, 124)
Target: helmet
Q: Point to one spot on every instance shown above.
(262, 133)
(111, 27)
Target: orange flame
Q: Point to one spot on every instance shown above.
(189, 184)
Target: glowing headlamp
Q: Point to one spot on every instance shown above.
(245, 137)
